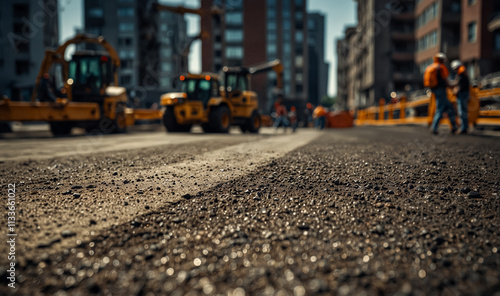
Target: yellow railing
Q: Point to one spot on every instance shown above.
(421, 111)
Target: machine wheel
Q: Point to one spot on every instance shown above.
(171, 123)
(254, 122)
(110, 126)
(220, 120)
(60, 128)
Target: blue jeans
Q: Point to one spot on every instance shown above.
(443, 106)
(281, 120)
(320, 122)
(462, 103)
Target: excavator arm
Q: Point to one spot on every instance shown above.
(57, 56)
(275, 65)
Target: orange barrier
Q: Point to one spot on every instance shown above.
(421, 111)
(339, 119)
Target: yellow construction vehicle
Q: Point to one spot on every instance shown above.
(83, 92)
(217, 102)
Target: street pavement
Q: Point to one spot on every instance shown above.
(361, 211)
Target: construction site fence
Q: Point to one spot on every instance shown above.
(483, 109)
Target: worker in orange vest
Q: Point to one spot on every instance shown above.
(462, 86)
(319, 114)
(439, 74)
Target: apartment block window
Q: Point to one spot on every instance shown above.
(165, 82)
(497, 41)
(299, 61)
(472, 29)
(166, 52)
(166, 67)
(129, 11)
(126, 54)
(126, 27)
(271, 49)
(471, 2)
(125, 41)
(127, 64)
(234, 52)
(234, 18)
(22, 67)
(96, 12)
(299, 36)
(428, 14)
(234, 36)
(234, 3)
(126, 80)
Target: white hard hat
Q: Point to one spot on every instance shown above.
(441, 56)
(455, 64)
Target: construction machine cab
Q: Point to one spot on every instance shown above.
(236, 81)
(200, 87)
(90, 73)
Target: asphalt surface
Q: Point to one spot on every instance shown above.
(362, 211)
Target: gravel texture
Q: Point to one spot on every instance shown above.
(363, 211)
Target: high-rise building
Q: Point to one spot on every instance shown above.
(318, 68)
(380, 52)
(27, 27)
(480, 37)
(437, 29)
(257, 31)
(344, 84)
(149, 43)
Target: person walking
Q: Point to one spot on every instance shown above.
(281, 114)
(319, 114)
(462, 90)
(292, 115)
(436, 77)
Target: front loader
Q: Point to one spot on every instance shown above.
(82, 92)
(216, 102)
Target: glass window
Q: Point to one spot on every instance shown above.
(126, 54)
(126, 11)
(166, 52)
(287, 25)
(299, 3)
(299, 61)
(126, 26)
(165, 82)
(234, 3)
(234, 18)
(271, 13)
(166, 67)
(271, 48)
(299, 36)
(497, 41)
(234, 35)
(271, 25)
(472, 29)
(234, 52)
(95, 12)
(471, 2)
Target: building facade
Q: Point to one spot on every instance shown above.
(27, 27)
(241, 38)
(318, 68)
(378, 55)
(150, 43)
(480, 37)
(437, 29)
